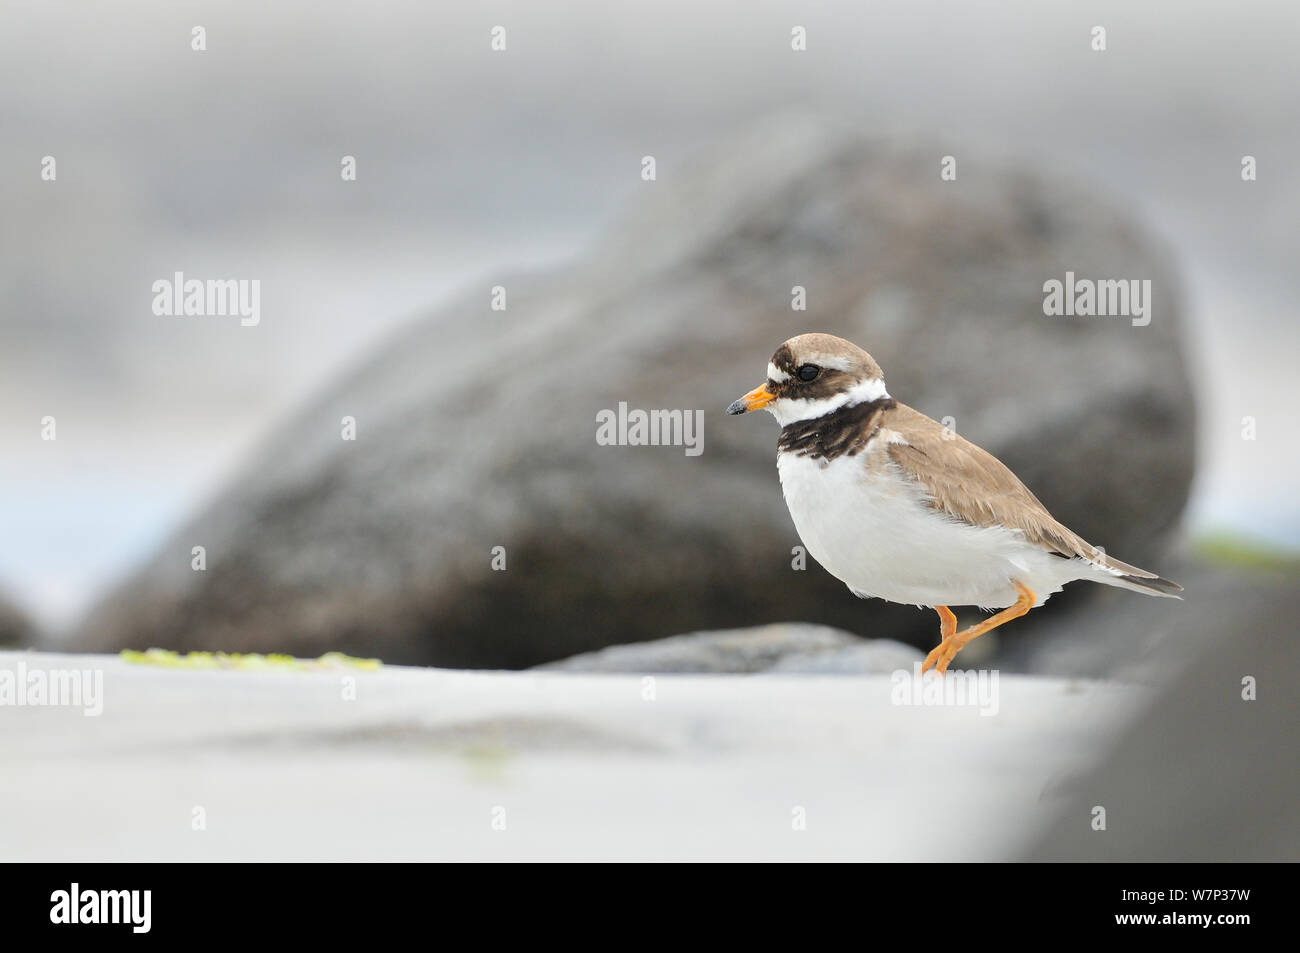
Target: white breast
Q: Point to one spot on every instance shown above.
(871, 528)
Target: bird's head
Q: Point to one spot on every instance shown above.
(812, 375)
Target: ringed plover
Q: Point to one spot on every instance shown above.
(898, 507)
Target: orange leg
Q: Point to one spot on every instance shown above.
(952, 643)
(947, 622)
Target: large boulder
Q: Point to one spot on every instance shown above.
(477, 428)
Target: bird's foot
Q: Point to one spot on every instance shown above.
(941, 655)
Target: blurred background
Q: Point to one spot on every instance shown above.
(523, 169)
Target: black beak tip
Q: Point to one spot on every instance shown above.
(736, 407)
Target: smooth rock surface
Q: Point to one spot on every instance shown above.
(476, 428)
(581, 767)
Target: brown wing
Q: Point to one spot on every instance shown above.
(970, 484)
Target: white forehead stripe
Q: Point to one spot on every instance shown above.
(835, 363)
(775, 373)
(789, 411)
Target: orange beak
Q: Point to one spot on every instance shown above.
(757, 398)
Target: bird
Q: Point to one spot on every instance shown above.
(899, 507)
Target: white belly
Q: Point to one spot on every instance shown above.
(876, 534)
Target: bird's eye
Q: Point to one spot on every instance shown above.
(809, 372)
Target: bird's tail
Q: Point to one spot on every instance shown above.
(1147, 585)
(1115, 573)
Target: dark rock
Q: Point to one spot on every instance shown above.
(477, 428)
(1208, 773)
(15, 628)
(788, 648)
(868, 657)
